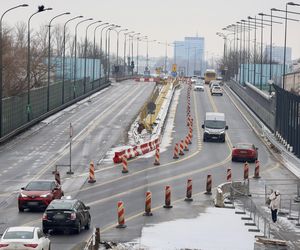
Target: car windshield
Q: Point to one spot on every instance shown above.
(39, 185)
(244, 146)
(214, 124)
(216, 87)
(18, 235)
(59, 204)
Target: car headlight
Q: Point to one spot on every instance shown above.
(23, 195)
(45, 195)
(222, 132)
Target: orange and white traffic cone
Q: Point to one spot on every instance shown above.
(92, 178)
(189, 188)
(121, 215)
(148, 204)
(256, 170)
(175, 156)
(156, 162)
(246, 171)
(208, 184)
(125, 165)
(186, 142)
(181, 148)
(228, 176)
(168, 197)
(57, 177)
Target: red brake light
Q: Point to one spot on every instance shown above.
(31, 245)
(45, 217)
(73, 216)
(3, 245)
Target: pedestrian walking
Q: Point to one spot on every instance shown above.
(274, 204)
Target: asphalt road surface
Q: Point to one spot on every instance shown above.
(101, 124)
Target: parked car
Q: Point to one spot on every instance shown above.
(216, 90)
(244, 152)
(39, 194)
(24, 238)
(199, 86)
(66, 214)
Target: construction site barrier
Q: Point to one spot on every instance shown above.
(256, 170)
(168, 197)
(189, 188)
(208, 184)
(135, 151)
(57, 177)
(148, 204)
(92, 178)
(121, 215)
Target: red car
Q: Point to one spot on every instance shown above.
(38, 194)
(244, 152)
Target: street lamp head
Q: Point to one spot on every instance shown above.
(48, 9)
(293, 4)
(67, 13)
(24, 5)
(80, 16)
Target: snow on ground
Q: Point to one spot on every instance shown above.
(216, 229)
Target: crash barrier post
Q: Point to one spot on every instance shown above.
(186, 144)
(181, 148)
(208, 184)
(175, 156)
(92, 178)
(157, 162)
(121, 215)
(298, 223)
(97, 238)
(246, 171)
(57, 177)
(256, 170)
(297, 198)
(168, 197)
(229, 176)
(148, 204)
(124, 165)
(189, 189)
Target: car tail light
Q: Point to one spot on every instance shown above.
(73, 216)
(45, 217)
(31, 245)
(3, 245)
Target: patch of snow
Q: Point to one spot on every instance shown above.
(215, 229)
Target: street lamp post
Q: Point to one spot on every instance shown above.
(1, 61)
(104, 54)
(108, 51)
(85, 52)
(285, 34)
(75, 55)
(40, 9)
(118, 34)
(94, 52)
(64, 57)
(132, 37)
(137, 52)
(125, 38)
(49, 56)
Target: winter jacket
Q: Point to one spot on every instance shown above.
(275, 200)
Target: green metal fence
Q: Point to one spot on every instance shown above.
(18, 113)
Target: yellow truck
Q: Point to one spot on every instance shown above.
(209, 75)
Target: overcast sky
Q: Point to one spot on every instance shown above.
(163, 20)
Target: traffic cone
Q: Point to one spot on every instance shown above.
(189, 188)
(156, 162)
(246, 171)
(92, 173)
(208, 184)
(256, 170)
(148, 204)
(175, 156)
(168, 197)
(121, 215)
(125, 165)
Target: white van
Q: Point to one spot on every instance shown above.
(214, 126)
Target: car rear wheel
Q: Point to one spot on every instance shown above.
(45, 231)
(232, 159)
(21, 209)
(49, 248)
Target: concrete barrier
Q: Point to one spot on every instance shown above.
(232, 189)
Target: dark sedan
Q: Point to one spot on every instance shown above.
(66, 215)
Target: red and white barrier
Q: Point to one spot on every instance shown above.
(146, 79)
(136, 150)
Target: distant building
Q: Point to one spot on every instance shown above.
(189, 55)
(278, 53)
